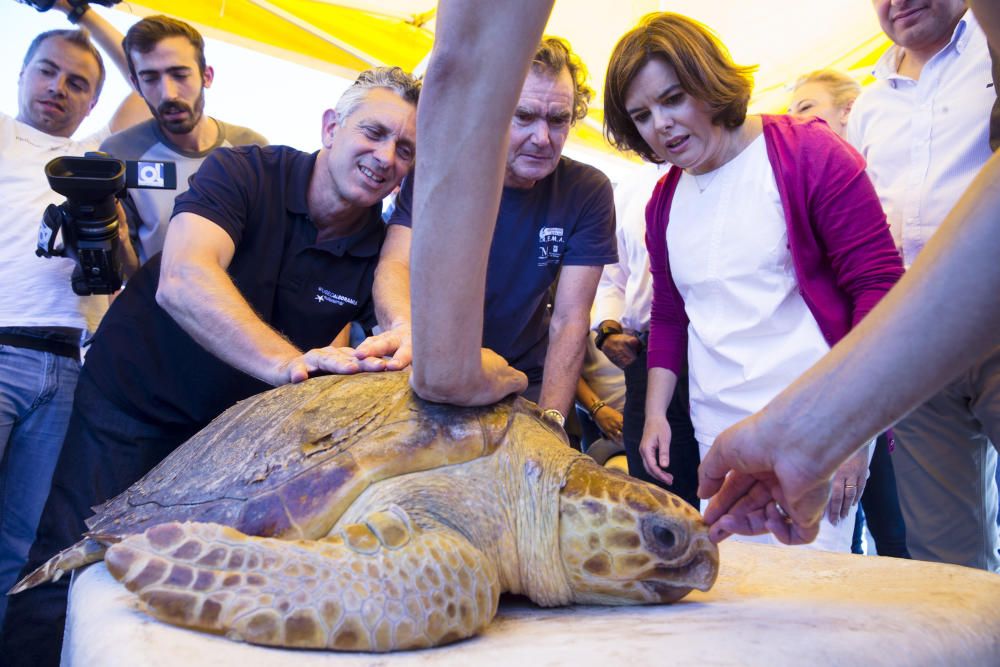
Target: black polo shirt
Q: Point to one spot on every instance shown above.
(307, 290)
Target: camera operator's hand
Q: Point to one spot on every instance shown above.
(126, 253)
(323, 360)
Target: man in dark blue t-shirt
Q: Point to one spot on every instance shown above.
(556, 220)
(270, 253)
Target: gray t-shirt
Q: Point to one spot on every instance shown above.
(149, 211)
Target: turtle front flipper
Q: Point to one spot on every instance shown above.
(377, 586)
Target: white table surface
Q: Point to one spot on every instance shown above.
(770, 606)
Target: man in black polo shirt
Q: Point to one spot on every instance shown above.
(269, 253)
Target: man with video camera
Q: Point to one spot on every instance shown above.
(270, 253)
(166, 59)
(42, 320)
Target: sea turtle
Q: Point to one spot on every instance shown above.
(346, 513)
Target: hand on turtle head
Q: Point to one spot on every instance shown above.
(396, 341)
(754, 488)
(655, 448)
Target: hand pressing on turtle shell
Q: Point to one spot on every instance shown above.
(396, 342)
(493, 380)
(323, 360)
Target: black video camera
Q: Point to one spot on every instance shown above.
(88, 218)
(46, 5)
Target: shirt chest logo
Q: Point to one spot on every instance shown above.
(324, 295)
(550, 245)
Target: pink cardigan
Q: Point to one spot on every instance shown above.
(844, 257)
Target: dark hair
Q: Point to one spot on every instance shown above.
(144, 35)
(704, 70)
(553, 55)
(78, 37)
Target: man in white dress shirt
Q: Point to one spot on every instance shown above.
(923, 127)
(42, 320)
(621, 319)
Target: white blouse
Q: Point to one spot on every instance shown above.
(750, 333)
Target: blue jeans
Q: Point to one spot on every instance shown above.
(36, 397)
(106, 449)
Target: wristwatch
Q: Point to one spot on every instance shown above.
(77, 12)
(554, 415)
(607, 328)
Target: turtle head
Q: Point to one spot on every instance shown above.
(624, 541)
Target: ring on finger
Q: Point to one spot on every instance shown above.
(781, 511)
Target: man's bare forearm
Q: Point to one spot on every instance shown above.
(132, 109)
(563, 362)
(391, 289)
(480, 59)
(204, 302)
(942, 317)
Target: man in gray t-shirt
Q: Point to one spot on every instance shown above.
(166, 59)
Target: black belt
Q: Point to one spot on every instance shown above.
(58, 347)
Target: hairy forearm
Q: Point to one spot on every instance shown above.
(391, 292)
(563, 361)
(941, 318)
(457, 194)
(204, 302)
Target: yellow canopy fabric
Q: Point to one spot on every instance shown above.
(344, 39)
(785, 37)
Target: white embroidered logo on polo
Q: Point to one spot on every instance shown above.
(323, 294)
(550, 245)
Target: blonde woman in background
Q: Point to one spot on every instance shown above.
(826, 94)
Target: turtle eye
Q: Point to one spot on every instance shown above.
(661, 537)
(664, 536)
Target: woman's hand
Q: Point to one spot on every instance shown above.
(655, 448)
(609, 421)
(848, 485)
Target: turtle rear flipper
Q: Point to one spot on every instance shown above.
(84, 552)
(378, 586)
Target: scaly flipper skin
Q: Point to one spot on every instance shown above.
(84, 552)
(378, 586)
